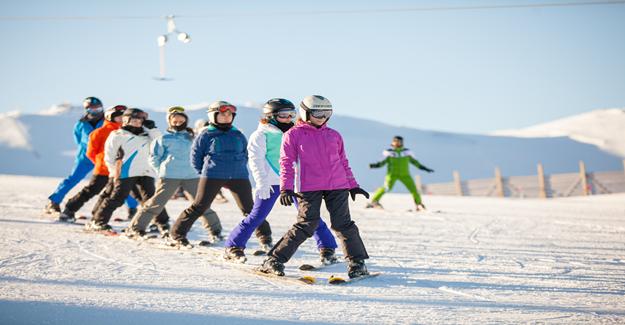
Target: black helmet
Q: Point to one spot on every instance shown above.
(91, 103)
(113, 112)
(131, 113)
(275, 105)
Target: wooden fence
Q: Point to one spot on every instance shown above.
(538, 186)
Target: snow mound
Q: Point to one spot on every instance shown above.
(603, 128)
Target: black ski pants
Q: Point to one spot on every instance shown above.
(142, 187)
(308, 218)
(206, 191)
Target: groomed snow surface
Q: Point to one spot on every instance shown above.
(478, 260)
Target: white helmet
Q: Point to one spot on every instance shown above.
(220, 106)
(315, 103)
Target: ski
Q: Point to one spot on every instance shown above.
(335, 280)
(305, 280)
(108, 233)
(316, 266)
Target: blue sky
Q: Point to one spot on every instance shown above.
(469, 71)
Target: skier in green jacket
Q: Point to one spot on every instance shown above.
(398, 160)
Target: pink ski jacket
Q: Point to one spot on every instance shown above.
(320, 158)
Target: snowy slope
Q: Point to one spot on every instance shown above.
(42, 145)
(480, 260)
(602, 128)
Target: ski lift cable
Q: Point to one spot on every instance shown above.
(328, 12)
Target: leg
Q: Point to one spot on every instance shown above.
(389, 181)
(120, 191)
(347, 232)
(307, 221)
(155, 205)
(131, 203)
(243, 231)
(95, 186)
(410, 185)
(322, 235)
(207, 189)
(242, 191)
(145, 188)
(82, 167)
(106, 193)
(209, 219)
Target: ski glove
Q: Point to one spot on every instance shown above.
(150, 124)
(287, 197)
(263, 192)
(358, 190)
(375, 165)
(427, 169)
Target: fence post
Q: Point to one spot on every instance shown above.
(541, 182)
(417, 181)
(458, 183)
(624, 165)
(499, 182)
(583, 178)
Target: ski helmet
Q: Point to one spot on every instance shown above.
(315, 105)
(220, 106)
(177, 110)
(91, 103)
(277, 105)
(111, 113)
(131, 113)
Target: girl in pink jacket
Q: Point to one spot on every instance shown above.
(324, 174)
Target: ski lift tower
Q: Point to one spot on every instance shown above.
(162, 40)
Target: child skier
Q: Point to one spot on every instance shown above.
(264, 154)
(82, 165)
(324, 174)
(126, 156)
(100, 177)
(398, 160)
(219, 155)
(169, 155)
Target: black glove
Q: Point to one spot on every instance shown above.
(427, 169)
(358, 190)
(287, 197)
(373, 165)
(149, 124)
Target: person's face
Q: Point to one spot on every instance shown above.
(117, 119)
(136, 122)
(317, 121)
(396, 143)
(224, 117)
(177, 120)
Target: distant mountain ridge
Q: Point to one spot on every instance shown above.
(41, 144)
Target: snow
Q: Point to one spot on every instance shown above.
(603, 128)
(478, 260)
(42, 144)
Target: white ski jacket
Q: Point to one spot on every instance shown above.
(133, 150)
(263, 150)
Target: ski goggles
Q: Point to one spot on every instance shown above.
(94, 110)
(321, 113)
(176, 109)
(139, 116)
(286, 114)
(226, 108)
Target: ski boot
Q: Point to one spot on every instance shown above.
(131, 213)
(266, 245)
(93, 226)
(163, 229)
(134, 234)
(420, 207)
(327, 256)
(356, 268)
(152, 228)
(272, 266)
(179, 243)
(374, 205)
(52, 208)
(235, 254)
(215, 237)
(67, 216)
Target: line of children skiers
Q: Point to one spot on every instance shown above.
(130, 153)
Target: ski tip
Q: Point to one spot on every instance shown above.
(259, 253)
(205, 243)
(336, 280)
(306, 267)
(308, 279)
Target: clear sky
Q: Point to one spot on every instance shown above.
(459, 70)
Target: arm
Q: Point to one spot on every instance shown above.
(345, 162)
(417, 164)
(379, 163)
(158, 152)
(257, 149)
(94, 146)
(112, 153)
(77, 132)
(288, 156)
(199, 151)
